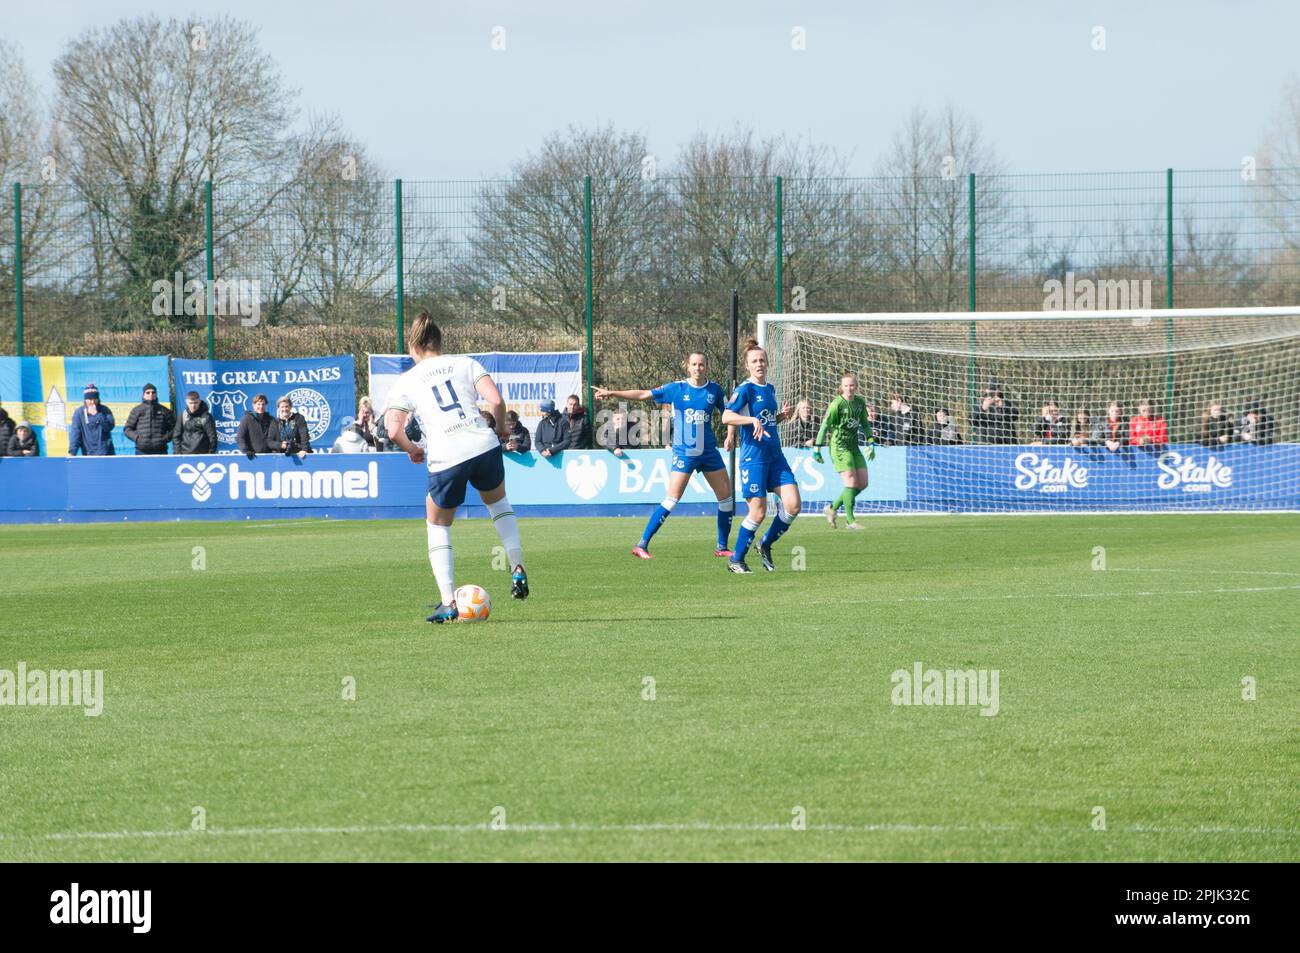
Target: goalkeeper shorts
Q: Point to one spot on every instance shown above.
(843, 460)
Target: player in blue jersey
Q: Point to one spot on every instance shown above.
(762, 467)
(694, 400)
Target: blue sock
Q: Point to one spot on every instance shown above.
(778, 527)
(744, 539)
(726, 509)
(656, 520)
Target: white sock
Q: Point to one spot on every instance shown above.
(442, 561)
(507, 527)
(786, 517)
(726, 505)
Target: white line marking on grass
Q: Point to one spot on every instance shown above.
(1066, 595)
(1217, 572)
(575, 828)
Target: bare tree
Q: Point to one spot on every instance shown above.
(527, 238)
(28, 144)
(1277, 188)
(324, 250)
(152, 108)
(924, 206)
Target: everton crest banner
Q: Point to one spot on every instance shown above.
(323, 390)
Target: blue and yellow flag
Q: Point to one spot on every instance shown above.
(44, 392)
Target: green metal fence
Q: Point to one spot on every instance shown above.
(626, 269)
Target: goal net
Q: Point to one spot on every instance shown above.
(1057, 411)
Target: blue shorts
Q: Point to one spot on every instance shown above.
(763, 475)
(706, 462)
(487, 471)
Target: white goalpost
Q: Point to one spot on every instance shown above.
(1061, 411)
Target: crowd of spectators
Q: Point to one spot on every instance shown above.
(994, 419)
(557, 432)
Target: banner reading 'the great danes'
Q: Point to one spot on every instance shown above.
(323, 390)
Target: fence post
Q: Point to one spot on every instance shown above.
(586, 236)
(1169, 292)
(401, 289)
(18, 265)
(780, 249)
(207, 231)
(971, 369)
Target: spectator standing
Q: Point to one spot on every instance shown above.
(517, 440)
(91, 430)
(196, 431)
(254, 428)
(23, 442)
(898, 423)
(365, 428)
(288, 431)
(943, 430)
(1081, 429)
(150, 424)
(7, 431)
(993, 419)
(579, 426)
(1050, 428)
(1111, 432)
(617, 436)
(1256, 426)
(803, 429)
(1216, 426)
(1146, 429)
(552, 430)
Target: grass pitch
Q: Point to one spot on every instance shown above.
(1119, 689)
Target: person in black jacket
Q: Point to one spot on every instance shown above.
(898, 425)
(196, 431)
(6, 431)
(254, 427)
(1051, 428)
(288, 431)
(1216, 426)
(552, 434)
(518, 439)
(993, 419)
(23, 442)
(1256, 426)
(579, 428)
(804, 425)
(943, 430)
(151, 424)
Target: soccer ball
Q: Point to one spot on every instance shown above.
(472, 603)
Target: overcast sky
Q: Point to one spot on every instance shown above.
(1187, 84)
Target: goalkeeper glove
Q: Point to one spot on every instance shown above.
(871, 452)
(817, 454)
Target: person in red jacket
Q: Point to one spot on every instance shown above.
(1146, 429)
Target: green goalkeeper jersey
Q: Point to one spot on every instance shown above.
(843, 419)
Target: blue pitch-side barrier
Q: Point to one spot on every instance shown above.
(591, 483)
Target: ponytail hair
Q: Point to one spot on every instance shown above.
(750, 345)
(425, 335)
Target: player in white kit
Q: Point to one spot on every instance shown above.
(441, 392)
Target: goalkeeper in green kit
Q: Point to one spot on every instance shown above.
(846, 415)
